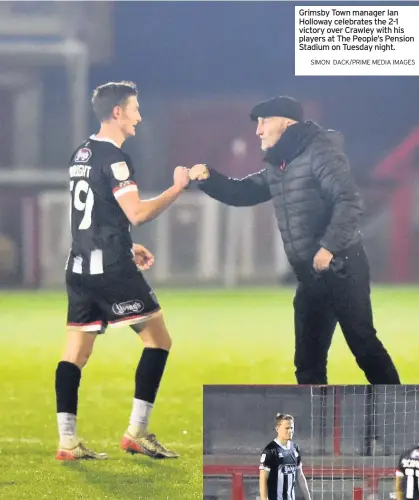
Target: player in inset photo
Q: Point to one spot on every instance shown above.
(280, 464)
(407, 475)
(349, 442)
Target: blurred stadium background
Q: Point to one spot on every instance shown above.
(200, 66)
(199, 70)
(350, 437)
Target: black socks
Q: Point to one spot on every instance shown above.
(67, 381)
(149, 373)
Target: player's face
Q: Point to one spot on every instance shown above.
(269, 130)
(285, 430)
(129, 116)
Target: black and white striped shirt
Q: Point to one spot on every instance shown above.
(100, 172)
(408, 470)
(282, 462)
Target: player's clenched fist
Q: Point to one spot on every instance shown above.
(199, 172)
(143, 258)
(181, 177)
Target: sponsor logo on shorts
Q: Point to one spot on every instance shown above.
(129, 307)
(83, 155)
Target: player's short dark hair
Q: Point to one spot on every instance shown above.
(283, 416)
(107, 96)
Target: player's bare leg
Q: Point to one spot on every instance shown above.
(157, 344)
(78, 348)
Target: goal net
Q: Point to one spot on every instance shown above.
(370, 426)
(350, 437)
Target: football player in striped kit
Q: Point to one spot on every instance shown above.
(105, 285)
(280, 464)
(407, 475)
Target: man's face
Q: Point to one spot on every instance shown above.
(285, 430)
(269, 130)
(129, 116)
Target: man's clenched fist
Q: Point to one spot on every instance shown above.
(322, 260)
(199, 172)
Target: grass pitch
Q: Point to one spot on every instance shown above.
(228, 337)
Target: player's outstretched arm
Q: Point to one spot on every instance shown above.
(245, 192)
(302, 481)
(263, 484)
(139, 211)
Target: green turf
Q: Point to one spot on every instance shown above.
(219, 337)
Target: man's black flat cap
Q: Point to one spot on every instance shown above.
(284, 106)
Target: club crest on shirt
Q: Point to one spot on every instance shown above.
(120, 171)
(83, 155)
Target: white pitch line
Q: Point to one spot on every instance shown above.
(20, 440)
(105, 442)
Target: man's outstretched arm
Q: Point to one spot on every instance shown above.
(245, 192)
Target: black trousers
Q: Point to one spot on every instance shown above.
(338, 296)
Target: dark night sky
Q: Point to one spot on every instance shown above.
(201, 48)
(209, 47)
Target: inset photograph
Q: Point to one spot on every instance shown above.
(311, 442)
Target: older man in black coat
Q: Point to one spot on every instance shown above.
(318, 209)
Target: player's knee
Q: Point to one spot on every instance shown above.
(155, 334)
(85, 356)
(158, 341)
(78, 359)
(77, 356)
(162, 339)
(166, 343)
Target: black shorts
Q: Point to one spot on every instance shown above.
(117, 298)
